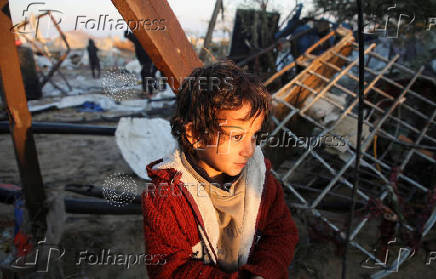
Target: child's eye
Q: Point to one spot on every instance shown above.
(237, 137)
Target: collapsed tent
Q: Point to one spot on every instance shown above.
(313, 143)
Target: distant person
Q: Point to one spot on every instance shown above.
(306, 35)
(294, 27)
(148, 69)
(94, 62)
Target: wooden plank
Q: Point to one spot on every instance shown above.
(20, 121)
(301, 58)
(212, 21)
(169, 48)
(297, 94)
(427, 153)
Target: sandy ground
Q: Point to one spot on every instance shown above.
(79, 159)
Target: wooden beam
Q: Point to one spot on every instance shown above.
(296, 95)
(20, 122)
(212, 21)
(168, 47)
(301, 57)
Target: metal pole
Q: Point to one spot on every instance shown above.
(359, 134)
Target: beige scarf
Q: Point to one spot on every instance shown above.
(229, 209)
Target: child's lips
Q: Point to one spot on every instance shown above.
(241, 164)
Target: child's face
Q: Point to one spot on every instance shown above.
(230, 151)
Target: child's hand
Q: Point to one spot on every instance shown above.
(257, 277)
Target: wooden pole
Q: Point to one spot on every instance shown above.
(164, 39)
(20, 124)
(208, 38)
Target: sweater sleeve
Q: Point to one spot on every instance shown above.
(275, 250)
(165, 237)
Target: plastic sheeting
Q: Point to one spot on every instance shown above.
(103, 101)
(143, 140)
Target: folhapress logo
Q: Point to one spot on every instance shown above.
(94, 22)
(37, 9)
(43, 254)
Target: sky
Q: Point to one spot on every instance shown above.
(193, 15)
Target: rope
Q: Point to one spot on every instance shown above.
(375, 154)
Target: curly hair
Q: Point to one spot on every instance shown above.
(225, 86)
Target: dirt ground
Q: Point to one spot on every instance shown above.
(66, 159)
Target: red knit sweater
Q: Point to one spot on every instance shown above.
(171, 230)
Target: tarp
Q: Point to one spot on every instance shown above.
(143, 140)
(105, 102)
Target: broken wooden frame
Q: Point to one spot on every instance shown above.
(308, 54)
(20, 121)
(44, 51)
(169, 49)
(333, 72)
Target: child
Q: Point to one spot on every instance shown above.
(214, 210)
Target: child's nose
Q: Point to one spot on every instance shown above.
(248, 149)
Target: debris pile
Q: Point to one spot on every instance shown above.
(398, 142)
